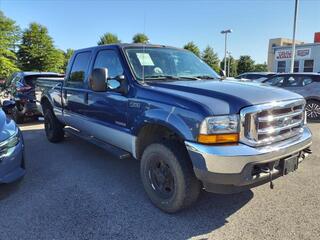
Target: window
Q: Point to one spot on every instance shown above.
(308, 66)
(276, 81)
(296, 66)
(109, 59)
(79, 67)
(306, 80)
(294, 81)
(281, 66)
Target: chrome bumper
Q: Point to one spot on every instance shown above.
(232, 159)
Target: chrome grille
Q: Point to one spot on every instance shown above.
(268, 123)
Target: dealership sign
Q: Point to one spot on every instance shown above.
(286, 54)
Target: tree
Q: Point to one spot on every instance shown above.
(233, 66)
(37, 52)
(245, 64)
(140, 38)
(192, 47)
(261, 67)
(9, 36)
(108, 38)
(211, 58)
(67, 55)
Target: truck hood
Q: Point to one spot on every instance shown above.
(225, 97)
(7, 126)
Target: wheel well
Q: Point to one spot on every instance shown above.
(152, 133)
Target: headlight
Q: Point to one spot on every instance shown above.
(7, 145)
(219, 129)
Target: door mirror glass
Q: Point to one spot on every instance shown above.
(113, 84)
(98, 79)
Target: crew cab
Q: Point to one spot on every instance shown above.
(189, 129)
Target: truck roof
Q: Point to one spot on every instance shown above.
(125, 45)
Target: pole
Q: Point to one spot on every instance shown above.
(225, 51)
(229, 65)
(293, 52)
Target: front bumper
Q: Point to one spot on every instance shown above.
(233, 168)
(12, 165)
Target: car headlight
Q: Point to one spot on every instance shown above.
(6, 146)
(219, 129)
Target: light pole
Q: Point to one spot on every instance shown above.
(229, 56)
(293, 51)
(225, 32)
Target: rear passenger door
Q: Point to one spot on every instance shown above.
(75, 91)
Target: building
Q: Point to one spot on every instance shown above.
(307, 58)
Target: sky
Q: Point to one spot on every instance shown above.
(79, 23)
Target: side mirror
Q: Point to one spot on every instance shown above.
(98, 79)
(118, 84)
(8, 105)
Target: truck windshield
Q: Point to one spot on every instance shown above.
(155, 63)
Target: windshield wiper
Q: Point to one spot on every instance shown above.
(162, 77)
(204, 77)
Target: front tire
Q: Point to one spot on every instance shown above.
(53, 128)
(313, 110)
(167, 176)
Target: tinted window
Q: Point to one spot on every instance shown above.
(276, 81)
(306, 80)
(294, 81)
(79, 67)
(308, 66)
(109, 59)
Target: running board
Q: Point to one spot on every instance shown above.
(117, 152)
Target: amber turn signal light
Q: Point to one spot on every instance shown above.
(218, 138)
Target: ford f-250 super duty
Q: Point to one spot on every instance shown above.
(188, 128)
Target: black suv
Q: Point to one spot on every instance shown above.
(20, 87)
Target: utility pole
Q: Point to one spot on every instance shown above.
(293, 51)
(225, 32)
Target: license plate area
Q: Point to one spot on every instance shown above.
(290, 164)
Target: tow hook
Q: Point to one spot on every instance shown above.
(269, 169)
(304, 153)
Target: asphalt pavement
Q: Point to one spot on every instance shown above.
(75, 190)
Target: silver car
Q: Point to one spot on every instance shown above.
(305, 84)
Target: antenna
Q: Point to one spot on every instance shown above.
(143, 47)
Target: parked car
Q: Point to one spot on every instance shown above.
(306, 84)
(12, 165)
(168, 109)
(20, 88)
(256, 76)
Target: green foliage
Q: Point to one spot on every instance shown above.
(261, 67)
(9, 36)
(140, 38)
(233, 66)
(37, 52)
(67, 55)
(211, 58)
(245, 64)
(192, 47)
(108, 38)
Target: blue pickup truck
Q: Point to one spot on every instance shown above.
(189, 129)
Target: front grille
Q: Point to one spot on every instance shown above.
(273, 122)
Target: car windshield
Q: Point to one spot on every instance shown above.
(155, 63)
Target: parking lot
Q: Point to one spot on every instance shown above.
(75, 190)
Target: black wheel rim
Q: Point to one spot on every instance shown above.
(313, 110)
(161, 179)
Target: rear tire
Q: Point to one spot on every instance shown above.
(168, 177)
(313, 110)
(16, 116)
(53, 128)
